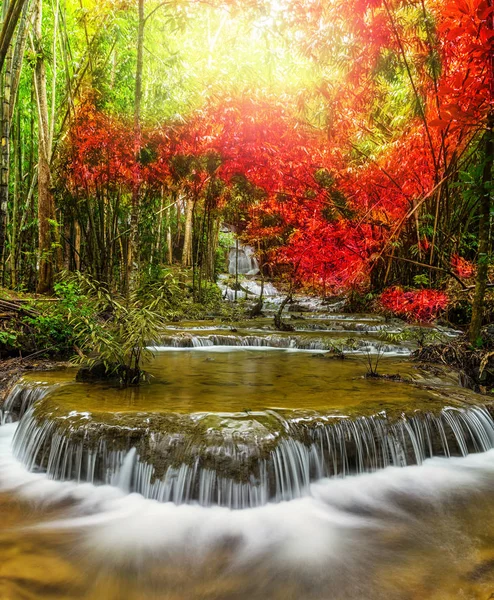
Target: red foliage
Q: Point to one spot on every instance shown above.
(105, 152)
(462, 267)
(414, 305)
(322, 212)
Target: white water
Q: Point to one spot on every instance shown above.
(242, 260)
(279, 342)
(320, 529)
(20, 399)
(233, 472)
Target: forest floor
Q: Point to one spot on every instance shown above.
(475, 365)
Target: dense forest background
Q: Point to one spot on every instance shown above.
(349, 142)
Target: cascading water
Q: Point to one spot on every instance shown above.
(315, 459)
(242, 260)
(295, 342)
(241, 473)
(20, 399)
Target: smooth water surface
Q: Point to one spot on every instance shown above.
(242, 380)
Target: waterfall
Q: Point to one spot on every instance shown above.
(232, 472)
(20, 398)
(247, 262)
(123, 475)
(295, 342)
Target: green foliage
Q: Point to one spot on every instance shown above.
(421, 279)
(359, 302)
(421, 336)
(100, 325)
(9, 339)
(225, 242)
(117, 331)
(160, 291)
(50, 326)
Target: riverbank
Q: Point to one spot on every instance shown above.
(12, 369)
(47, 330)
(475, 366)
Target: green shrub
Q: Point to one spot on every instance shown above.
(50, 324)
(117, 331)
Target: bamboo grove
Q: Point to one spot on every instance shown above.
(349, 142)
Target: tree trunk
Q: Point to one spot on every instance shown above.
(77, 246)
(133, 253)
(278, 317)
(12, 12)
(187, 250)
(485, 207)
(169, 247)
(14, 231)
(46, 205)
(11, 78)
(236, 266)
(5, 151)
(484, 237)
(17, 59)
(156, 246)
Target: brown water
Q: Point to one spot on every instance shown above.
(402, 549)
(240, 380)
(414, 533)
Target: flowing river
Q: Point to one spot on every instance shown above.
(253, 465)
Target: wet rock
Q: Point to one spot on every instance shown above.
(101, 373)
(334, 354)
(298, 308)
(385, 376)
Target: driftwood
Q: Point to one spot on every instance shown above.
(476, 365)
(17, 306)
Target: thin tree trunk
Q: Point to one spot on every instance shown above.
(54, 74)
(5, 152)
(187, 249)
(236, 265)
(169, 247)
(11, 17)
(133, 253)
(14, 247)
(77, 246)
(46, 206)
(278, 317)
(484, 237)
(156, 246)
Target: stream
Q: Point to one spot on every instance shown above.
(253, 465)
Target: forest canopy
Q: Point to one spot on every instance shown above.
(349, 142)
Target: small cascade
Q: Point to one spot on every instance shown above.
(249, 288)
(20, 398)
(226, 469)
(294, 342)
(242, 260)
(123, 475)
